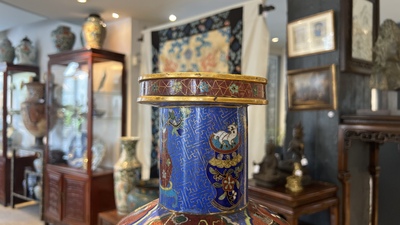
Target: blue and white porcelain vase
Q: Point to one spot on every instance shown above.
(63, 38)
(203, 154)
(7, 53)
(93, 32)
(25, 52)
(127, 173)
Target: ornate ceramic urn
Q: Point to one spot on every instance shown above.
(33, 111)
(63, 38)
(203, 154)
(7, 53)
(93, 32)
(25, 52)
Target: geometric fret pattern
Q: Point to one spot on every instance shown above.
(202, 87)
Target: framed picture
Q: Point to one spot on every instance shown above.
(359, 21)
(311, 35)
(312, 88)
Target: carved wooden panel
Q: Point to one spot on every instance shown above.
(74, 206)
(53, 196)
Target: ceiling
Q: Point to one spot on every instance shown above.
(21, 12)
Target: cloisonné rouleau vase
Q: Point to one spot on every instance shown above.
(203, 149)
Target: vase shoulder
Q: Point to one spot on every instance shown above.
(154, 212)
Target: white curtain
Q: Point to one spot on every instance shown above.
(255, 50)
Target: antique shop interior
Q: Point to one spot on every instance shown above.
(199, 112)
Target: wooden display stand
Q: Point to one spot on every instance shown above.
(110, 217)
(316, 197)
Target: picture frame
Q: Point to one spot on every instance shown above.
(359, 21)
(313, 88)
(311, 35)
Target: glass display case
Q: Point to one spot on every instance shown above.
(86, 104)
(14, 135)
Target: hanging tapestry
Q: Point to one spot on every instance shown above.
(210, 44)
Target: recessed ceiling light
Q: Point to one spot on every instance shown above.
(115, 15)
(81, 1)
(172, 17)
(275, 39)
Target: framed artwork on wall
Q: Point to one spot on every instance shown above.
(313, 88)
(359, 21)
(311, 35)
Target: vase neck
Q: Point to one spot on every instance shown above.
(129, 148)
(203, 159)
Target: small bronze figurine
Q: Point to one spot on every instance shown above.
(295, 154)
(268, 174)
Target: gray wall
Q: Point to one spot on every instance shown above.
(320, 131)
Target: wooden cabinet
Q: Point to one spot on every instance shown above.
(86, 90)
(13, 132)
(71, 200)
(373, 130)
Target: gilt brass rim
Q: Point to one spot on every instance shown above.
(203, 75)
(201, 99)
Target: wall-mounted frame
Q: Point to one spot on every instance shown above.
(313, 88)
(311, 35)
(359, 21)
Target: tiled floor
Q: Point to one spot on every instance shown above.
(23, 214)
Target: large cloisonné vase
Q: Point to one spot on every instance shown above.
(203, 154)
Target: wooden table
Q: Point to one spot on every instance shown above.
(316, 197)
(374, 130)
(110, 217)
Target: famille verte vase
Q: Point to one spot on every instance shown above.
(63, 38)
(127, 173)
(25, 52)
(93, 32)
(203, 154)
(7, 53)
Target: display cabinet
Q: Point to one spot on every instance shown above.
(14, 135)
(86, 100)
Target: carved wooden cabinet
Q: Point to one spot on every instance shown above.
(86, 90)
(13, 132)
(77, 198)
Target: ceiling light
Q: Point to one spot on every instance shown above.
(81, 1)
(115, 15)
(172, 17)
(275, 39)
